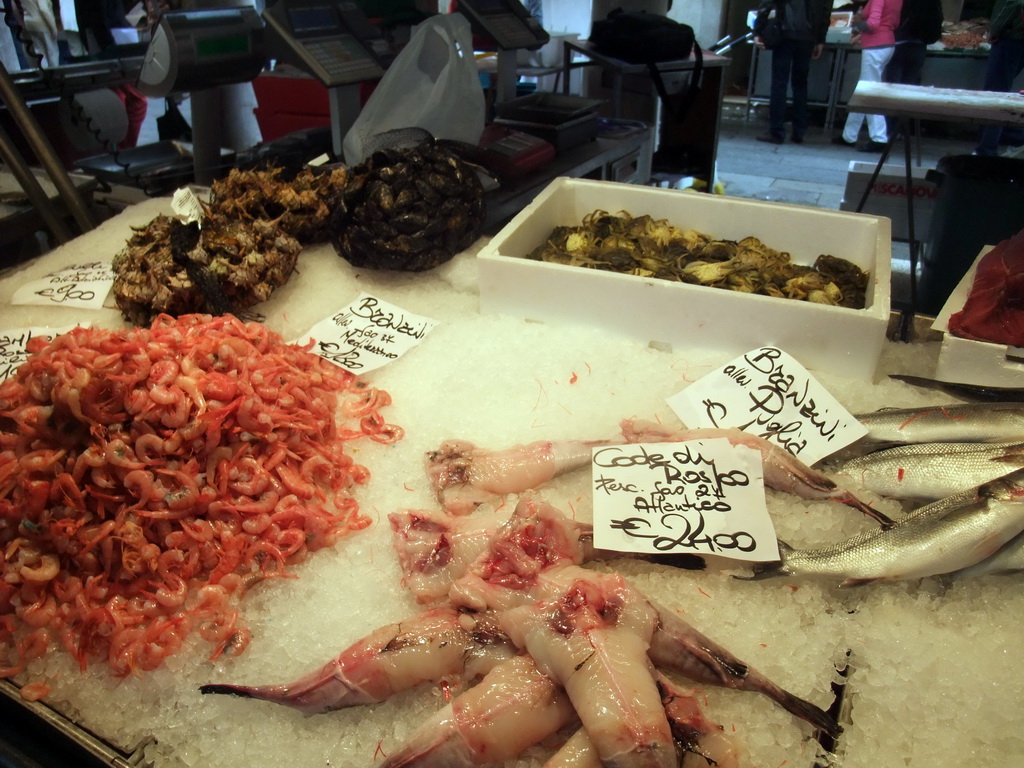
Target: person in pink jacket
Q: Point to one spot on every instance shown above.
(873, 30)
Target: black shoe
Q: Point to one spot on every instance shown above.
(797, 138)
(871, 146)
(841, 141)
(769, 138)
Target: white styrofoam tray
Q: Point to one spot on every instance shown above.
(677, 315)
(965, 361)
(889, 198)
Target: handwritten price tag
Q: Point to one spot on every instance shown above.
(702, 497)
(14, 346)
(368, 334)
(83, 286)
(768, 393)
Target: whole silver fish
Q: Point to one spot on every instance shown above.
(1006, 562)
(933, 471)
(941, 537)
(955, 423)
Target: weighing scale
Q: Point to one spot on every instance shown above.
(330, 39)
(511, 27)
(333, 40)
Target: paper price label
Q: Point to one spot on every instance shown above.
(14, 346)
(703, 497)
(82, 286)
(767, 393)
(367, 334)
(186, 206)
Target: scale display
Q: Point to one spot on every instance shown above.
(333, 41)
(506, 22)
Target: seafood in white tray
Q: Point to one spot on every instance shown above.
(925, 660)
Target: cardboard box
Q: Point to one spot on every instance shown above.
(674, 315)
(889, 196)
(965, 361)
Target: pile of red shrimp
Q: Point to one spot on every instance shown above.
(149, 476)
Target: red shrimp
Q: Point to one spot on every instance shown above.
(41, 613)
(46, 570)
(172, 593)
(35, 496)
(140, 483)
(248, 476)
(120, 455)
(34, 691)
(185, 496)
(65, 492)
(41, 460)
(102, 401)
(149, 449)
(178, 413)
(226, 435)
(36, 643)
(295, 483)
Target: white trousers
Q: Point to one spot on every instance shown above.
(872, 64)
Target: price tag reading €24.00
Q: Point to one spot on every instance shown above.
(703, 497)
(82, 286)
(367, 334)
(768, 393)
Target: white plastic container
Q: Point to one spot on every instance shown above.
(674, 315)
(965, 361)
(889, 197)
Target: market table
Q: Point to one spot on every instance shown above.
(909, 103)
(930, 665)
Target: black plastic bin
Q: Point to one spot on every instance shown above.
(980, 202)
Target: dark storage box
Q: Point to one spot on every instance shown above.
(980, 202)
(546, 107)
(563, 135)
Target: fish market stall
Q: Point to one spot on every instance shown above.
(925, 666)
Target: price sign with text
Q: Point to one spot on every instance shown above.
(768, 393)
(368, 334)
(14, 346)
(83, 286)
(703, 497)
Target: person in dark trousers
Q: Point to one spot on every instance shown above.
(804, 24)
(920, 26)
(1005, 62)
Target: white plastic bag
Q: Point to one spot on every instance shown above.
(432, 84)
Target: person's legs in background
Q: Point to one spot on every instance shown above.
(782, 63)
(906, 63)
(1005, 61)
(872, 64)
(877, 58)
(800, 68)
(135, 105)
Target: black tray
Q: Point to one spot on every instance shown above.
(159, 167)
(563, 136)
(547, 108)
